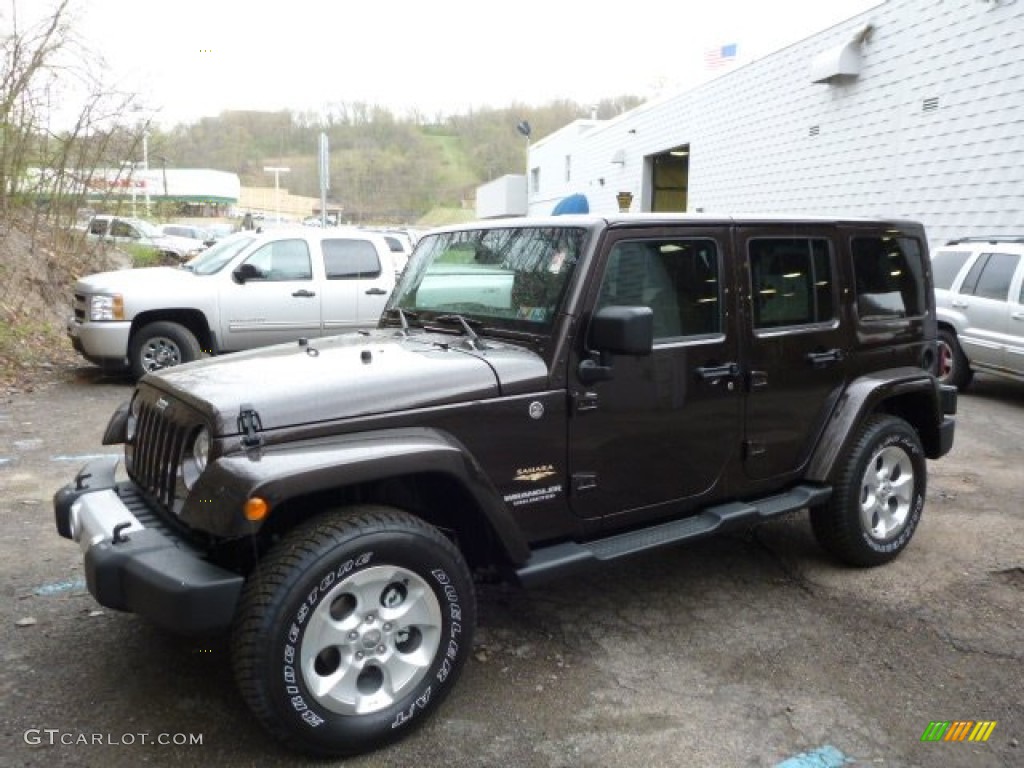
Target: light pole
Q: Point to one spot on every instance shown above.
(277, 171)
(145, 163)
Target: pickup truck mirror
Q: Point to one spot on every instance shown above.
(616, 331)
(247, 272)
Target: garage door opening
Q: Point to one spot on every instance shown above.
(670, 179)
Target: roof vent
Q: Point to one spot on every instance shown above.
(842, 62)
(815, 129)
(930, 104)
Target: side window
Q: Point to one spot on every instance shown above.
(993, 277)
(283, 260)
(889, 276)
(791, 281)
(676, 278)
(350, 259)
(123, 229)
(946, 265)
(98, 227)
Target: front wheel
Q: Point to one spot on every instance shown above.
(877, 502)
(162, 345)
(353, 630)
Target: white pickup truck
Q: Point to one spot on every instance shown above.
(119, 229)
(248, 290)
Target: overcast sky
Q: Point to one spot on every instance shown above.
(191, 58)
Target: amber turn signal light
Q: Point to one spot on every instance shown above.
(256, 509)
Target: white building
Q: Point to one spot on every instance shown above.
(914, 108)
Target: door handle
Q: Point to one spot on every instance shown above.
(958, 304)
(820, 359)
(715, 373)
(304, 294)
(375, 292)
(1018, 315)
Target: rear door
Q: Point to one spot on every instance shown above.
(984, 301)
(796, 344)
(359, 279)
(660, 434)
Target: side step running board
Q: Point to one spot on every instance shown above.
(552, 561)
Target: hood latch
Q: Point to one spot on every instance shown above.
(250, 426)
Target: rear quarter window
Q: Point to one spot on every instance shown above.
(889, 277)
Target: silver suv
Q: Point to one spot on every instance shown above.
(979, 298)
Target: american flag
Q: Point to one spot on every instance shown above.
(715, 58)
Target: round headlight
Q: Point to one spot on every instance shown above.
(201, 449)
(196, 458)
(132, 422)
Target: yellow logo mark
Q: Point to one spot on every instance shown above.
(533, 474)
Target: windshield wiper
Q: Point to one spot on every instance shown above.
(404, 315)
(467, 327)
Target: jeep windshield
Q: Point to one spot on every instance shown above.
(510, 278)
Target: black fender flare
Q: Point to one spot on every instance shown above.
(869, 394)
(277, 473)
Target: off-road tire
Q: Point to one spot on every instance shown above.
(877, 500)
(368, 603)
(161, 345)
(953, 366)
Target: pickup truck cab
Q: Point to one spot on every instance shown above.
(248, 290)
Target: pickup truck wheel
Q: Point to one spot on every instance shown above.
(877, 501)
(161, 345)
(953, 366)
(352, 629)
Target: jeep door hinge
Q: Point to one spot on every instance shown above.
(585, 401)
(250, 426)
(584, 481)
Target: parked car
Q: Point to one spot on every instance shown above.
(979, 297)
(190, 231)
(541, 396)
(125, 230)
(247, 290)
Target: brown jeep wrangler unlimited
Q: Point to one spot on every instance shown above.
(541, 396)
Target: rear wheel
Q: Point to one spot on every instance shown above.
(877, 502)
(953, 366)
(353, 630)
(162, 345)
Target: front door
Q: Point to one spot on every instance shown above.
(281, 304)
(796, 344)
(660, 434)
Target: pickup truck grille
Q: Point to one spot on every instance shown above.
(157, 451)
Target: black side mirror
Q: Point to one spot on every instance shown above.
(616, 331)
(247, 272)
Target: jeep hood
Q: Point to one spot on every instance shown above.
(349, 376)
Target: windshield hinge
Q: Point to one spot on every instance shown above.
(249, 425)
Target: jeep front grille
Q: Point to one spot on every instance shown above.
(157, 452)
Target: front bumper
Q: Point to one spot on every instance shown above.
(103, 343)
(132, 563)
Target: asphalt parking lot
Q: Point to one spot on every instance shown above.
(747, 650)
